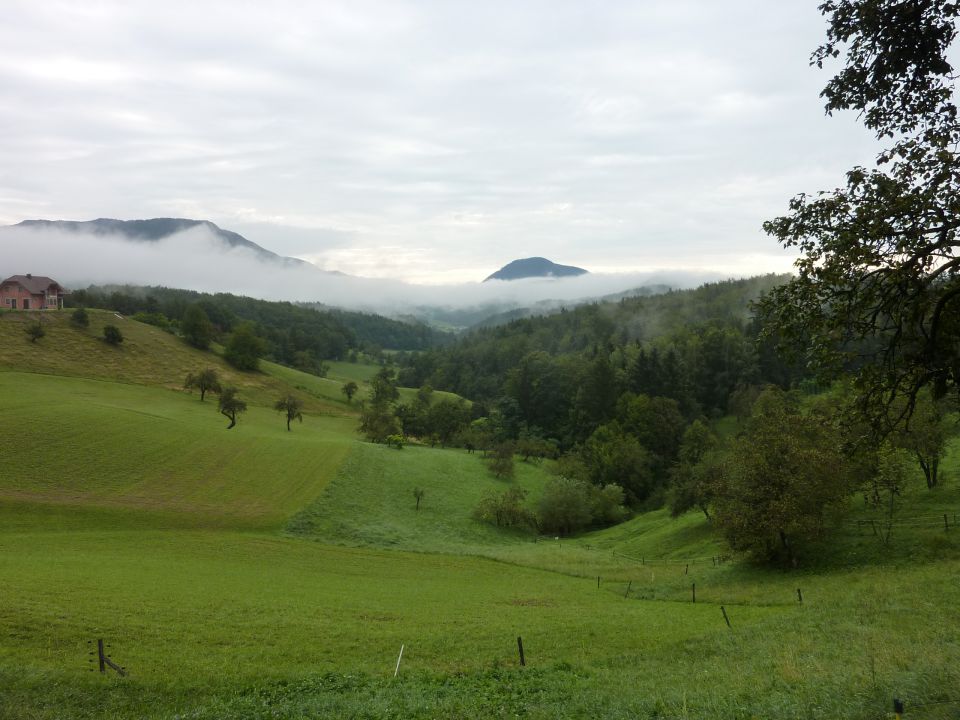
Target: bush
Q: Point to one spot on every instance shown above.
(565, 506)
(35, 331)
(196, 328)
(500, 461)
(112, 334)
(244, 349)
(505, 509)
(153, 318)
(79, 318)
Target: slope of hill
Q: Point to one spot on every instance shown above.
(534, 267)
(128, 512)
(157, 229)
(148, 356)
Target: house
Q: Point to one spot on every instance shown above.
(31, 292)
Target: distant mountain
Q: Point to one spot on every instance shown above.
(157, 229)
(533, 268)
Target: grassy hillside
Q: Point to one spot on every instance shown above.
(260, 573)
(371, 502)
(72, 441)
(147, 356)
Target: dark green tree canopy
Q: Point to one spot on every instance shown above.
(112, 334)
(292, 407)
(244, 348)
(230, 405)
(878, 285)
(196, 327)
(207, 380)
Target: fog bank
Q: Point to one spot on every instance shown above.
(197, 260)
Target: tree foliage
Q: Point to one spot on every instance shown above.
(196, 327)
(292, 407)
(781, 477)
(35, 331)
(350, 389)
(112, 335)
(207, 380)
(244, 349)
(80, 318)
(878, 283)
(505, 509)
(230, 405)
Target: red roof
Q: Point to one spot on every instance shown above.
(35, 284)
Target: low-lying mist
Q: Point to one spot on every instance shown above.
(197, 260)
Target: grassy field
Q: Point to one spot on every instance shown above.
(260, 573)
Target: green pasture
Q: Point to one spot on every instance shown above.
(147, 356)
(90, 443)
(260, 573)
(371, 501)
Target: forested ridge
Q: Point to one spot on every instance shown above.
(694, 346)
(286, 328)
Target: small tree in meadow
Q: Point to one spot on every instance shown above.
(230, 405)
(500, 460)
(35, 331)
(350, 389)
(207, 380)
(112, 335)
(418, 493)
(80, 318)
(292, 406)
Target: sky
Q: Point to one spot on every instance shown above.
(429, 142)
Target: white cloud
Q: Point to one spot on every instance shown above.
(425, 138)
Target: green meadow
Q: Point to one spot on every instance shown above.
(260, 573)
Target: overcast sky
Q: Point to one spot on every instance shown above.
(428, 141)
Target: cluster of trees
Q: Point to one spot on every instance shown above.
(295, 335)
(229, 403)
(626, 389)
(383, 416)
(612, 387)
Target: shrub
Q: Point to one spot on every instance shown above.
(35, 331)
(505, 509)
(79, 318)
(112, 334)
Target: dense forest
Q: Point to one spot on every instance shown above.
(633, 400)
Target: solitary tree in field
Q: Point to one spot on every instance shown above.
(205, 381)
(418, 493)
(79, 318)
(230, 405)
(500, 461)
(350, 389)
(112, 335)
(34, 331)
(291, 406)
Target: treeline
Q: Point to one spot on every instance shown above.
(608, 388)
(293, 334)
(562, 376)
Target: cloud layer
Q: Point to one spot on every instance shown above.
(195, 259)
(427, 140)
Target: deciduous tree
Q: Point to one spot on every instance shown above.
(35, 331)
(112, 335)
(230, 405)
(207, 380)
(785, 472)
(878, 284)
(196, 327)
(292, 407)
(244, 349)
(350, 389)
